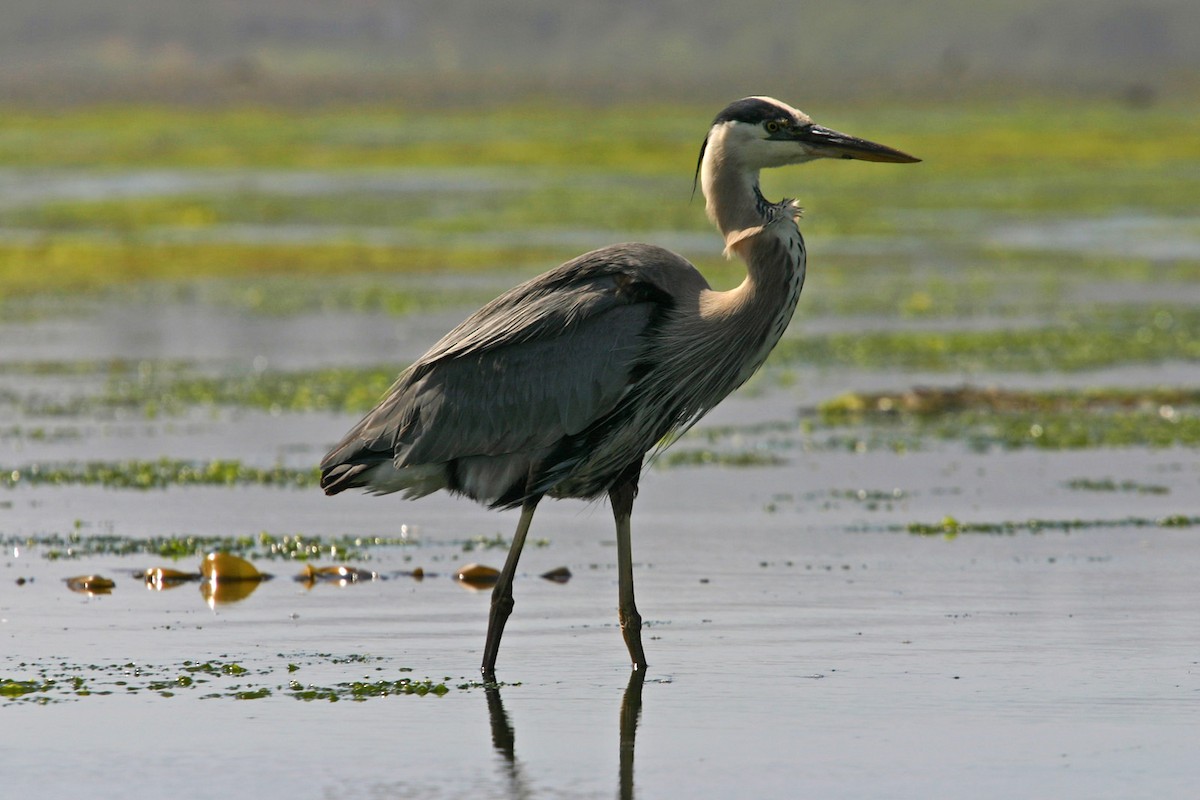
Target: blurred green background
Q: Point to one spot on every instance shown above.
(450, 50)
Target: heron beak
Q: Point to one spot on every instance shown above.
(828, 143)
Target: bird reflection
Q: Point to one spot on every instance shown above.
(504, 738)
(631, 712)
(504, 742)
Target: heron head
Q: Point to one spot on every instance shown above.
(762, 132)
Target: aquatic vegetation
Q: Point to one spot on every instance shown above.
(689, 457)
(931, 401)
(91, 584)
(1053, 420)
(497, 542)
(950, 526)
(1110, 485)
(248, 192)
(59, 681)
(282, 297)
(980, 418)
(333, 389)
(1106, 338)
(164, 389)
(359, 691)
(1098, 338)
(67, 264)
(927, 251)
(40, 433)
(153, 389)
(342, 138)
(295, 547)
(158, 474)
(52, 680)
(18, 689)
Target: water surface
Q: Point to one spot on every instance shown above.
(802, 642)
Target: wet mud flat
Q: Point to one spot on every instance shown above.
(786, 654)
(850, 620)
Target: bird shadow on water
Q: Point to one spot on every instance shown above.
(504, 739)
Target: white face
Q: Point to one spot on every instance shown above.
(765, 144)
(755, 147)
(758, 133)
(782, 135)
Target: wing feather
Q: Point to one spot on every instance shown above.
(536, 364)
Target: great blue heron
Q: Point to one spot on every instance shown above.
(562, 385)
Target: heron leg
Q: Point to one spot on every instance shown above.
(622, 495)
(502, 599)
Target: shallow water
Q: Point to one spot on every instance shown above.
(32, 187)
(790, 655)
(801, 641)
(1152, 237)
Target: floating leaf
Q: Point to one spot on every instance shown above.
(229, 578)
(160, 578)
(478, 576)
(228, 567)
(91, 584)
(339, 574)
(558, 575)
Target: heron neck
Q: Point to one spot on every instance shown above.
(736, 205)
(733, 199)
(765, 236)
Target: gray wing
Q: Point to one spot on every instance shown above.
(537, 364)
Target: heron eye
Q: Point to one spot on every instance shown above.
(773, 126)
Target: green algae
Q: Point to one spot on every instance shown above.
(18, 689)
(59, 680)
(157, 391)
(283, 297)
(982, 419)
(932, 401)
(691, 457)
(289, 547)
(1102, 338)
(950, 526)
(159, 474)
(1051, 420)
(359, 691)
(605, 171)
(1110, 485)
(151, 389)
(895, 421)
(1105, 338)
